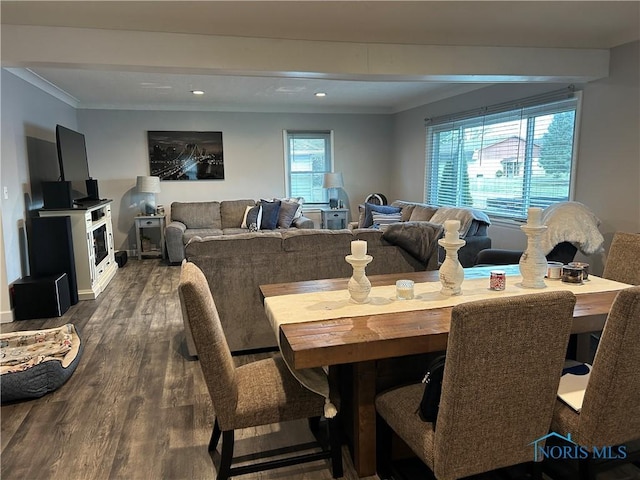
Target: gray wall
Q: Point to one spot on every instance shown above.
(608, 168)
(253, 156)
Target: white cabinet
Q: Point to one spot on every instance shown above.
(93, 250)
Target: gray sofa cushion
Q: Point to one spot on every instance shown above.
(198, 214)
(317, 240)
(422, 213)
(232, 212)
(200, 232)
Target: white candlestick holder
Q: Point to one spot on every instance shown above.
(533, 263)
(451, 272)
(359, 285)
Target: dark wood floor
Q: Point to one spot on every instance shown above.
(136, 407)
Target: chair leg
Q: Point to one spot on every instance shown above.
(335, 443)
(536, 470)
(314, 424)
(383, 448)
(226, 455)
(586, 470)
(215, 436)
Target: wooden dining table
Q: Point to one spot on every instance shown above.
(364, 339)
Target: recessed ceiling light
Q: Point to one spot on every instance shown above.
(197, 92)
(320, 94)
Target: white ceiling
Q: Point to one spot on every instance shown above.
(548, 24)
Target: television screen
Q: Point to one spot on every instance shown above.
(72, 157)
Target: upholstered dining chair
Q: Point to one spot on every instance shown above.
(259, 393)
(610, 413)
(623, 261)
(503, 363)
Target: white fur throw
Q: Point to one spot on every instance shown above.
(571, 222)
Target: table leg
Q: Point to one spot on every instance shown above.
(364, 418)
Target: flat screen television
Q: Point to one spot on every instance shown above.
(74, 166)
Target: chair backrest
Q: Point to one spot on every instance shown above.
(623, 261)
(610, 412)
(503, 366)
(214, 355)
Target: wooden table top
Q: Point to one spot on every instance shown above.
(363, 338)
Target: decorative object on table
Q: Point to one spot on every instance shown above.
(451, 272)
(186, 155)
(332, 181)
(497, 280)
(404, 289)
(160, 210)
(148, 186)
(583, 266)
(572, 274)
(359, 285)
(554, 270)
(533, 263)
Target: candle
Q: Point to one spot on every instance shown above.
(451, 228)
(358, 248)
(535, 217)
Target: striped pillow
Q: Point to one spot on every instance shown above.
(385, 218)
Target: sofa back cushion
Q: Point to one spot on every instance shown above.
(232, 212)
(314, 241)
(197, 214)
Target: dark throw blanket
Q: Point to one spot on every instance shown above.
(419, 239)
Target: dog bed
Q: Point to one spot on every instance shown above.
(34, 363)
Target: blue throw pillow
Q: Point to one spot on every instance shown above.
(270, 211)
(369, 208)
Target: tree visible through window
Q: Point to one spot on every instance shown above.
(503, 162)
(308, 156)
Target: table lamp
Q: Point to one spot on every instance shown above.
(333, 181)
(149, 186)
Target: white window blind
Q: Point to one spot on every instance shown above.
(308, 156)
(505, 158)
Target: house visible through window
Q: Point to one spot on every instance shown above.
(308, 156)
(504, 159)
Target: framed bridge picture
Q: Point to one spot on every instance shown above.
(186, 155)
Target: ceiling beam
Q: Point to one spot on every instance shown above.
(63, 47)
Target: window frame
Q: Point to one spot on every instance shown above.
(469, 118)
(328, 137)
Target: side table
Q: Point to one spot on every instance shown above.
(148, 222)
(334, 218)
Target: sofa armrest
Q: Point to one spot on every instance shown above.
(302, 222)
(173, 238)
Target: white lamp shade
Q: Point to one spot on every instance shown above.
(333, 180)
(148, 184)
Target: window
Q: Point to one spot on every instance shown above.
(506, 158)
(308, 156)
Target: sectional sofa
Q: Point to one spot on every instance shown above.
(204, 219)
(236, 266)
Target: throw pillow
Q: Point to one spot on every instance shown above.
(252, 218)
(287, 213)
(386, 218)
(369, 208)
(270, 211)
(298, 200)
